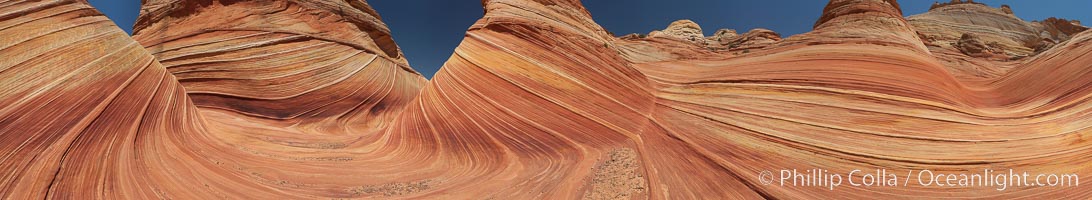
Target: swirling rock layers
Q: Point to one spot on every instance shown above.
(306, 61)
(311, 99)
(87, 113)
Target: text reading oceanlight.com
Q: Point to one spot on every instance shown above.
(1000, 180)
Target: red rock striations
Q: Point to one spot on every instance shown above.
(87, 112)
(312, 99)
(304, 61)
(862, 92)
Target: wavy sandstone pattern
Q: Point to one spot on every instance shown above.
(302, 61)
(312, 99)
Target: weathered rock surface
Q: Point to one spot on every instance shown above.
(723, 34)
(863, 21)
(945, 24)
(680, 38)
(861, 91)
(684, 30)
(973, 46)
(88, 113)
(755, 39)
(317, 63)
(538, 101)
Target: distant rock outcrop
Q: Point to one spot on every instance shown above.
(957, 2)
(722, 35)
(684, 30)
(727, 39)
(865, 21)
(722, 40)
(973, 46)
(632, 36)
(1006, 9)
(945, 24)
(1062, 29)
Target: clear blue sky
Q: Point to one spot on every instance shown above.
(429, 30)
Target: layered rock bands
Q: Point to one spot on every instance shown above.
(307, 99)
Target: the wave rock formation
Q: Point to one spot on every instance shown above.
(309, 99)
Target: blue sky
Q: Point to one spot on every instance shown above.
(429, 30)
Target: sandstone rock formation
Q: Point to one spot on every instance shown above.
(684, 30)
(87, 113)
(722, 34)
(864, 21)
(310, 62)
(680, 38)
(1007, 9)
(973, 46)
(861, 91)
(537, 102)
(755, 39)
(945, 24)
